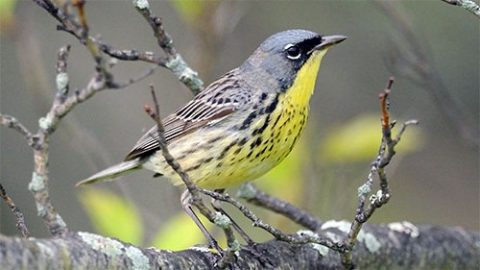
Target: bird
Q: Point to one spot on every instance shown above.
(241, 125)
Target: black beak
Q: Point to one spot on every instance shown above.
(328, 41)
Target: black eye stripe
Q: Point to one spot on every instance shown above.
(309, 44)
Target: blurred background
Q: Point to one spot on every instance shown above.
(430, 47)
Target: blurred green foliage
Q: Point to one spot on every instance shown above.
(189, 10)
(112, 215)
(359, 140)
(180, 232)
(7, 8)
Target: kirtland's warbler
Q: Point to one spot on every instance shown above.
(243, 124)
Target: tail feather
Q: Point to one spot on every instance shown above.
(110, 173)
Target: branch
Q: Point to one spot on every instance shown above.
(279, 235)
(255, 196)
(77, 25)
(20, 220)
(385, 154)
(394, 246)
(174, 61)
(469, 5)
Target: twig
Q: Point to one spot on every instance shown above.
(414, 63)
(382, 196)
(19, 219)
(62, 80)
(194, 191)
(90, 43)
(77, 26)
(255, 196)
(133, 80)
(13, 123)
(279, 235)
(132, 54)
(172, 162)
(174, 61)
(469, 5)
(47, 125)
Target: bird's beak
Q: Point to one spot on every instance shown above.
(328, 41)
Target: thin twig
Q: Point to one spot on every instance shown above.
(13, 123)
(19, 219)
(382, 196)
(62, 80)
(279, 235)
(132, 54)
(257, 197)
(175, 62)
(133, 80)
(172, 162)
(413, 61)
(197, 201)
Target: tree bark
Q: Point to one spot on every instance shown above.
(392, 246)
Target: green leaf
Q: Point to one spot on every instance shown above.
(112, 215)
(359, 140)
(180, 232)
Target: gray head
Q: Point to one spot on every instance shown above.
(284, 53)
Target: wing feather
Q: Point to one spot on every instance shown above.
(212, 104)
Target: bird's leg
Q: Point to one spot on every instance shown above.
(217, 205)
(186, 201)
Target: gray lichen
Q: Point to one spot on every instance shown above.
(45, 123)
(371, 242)
(139, 260)
(62, 82)
(37, 183)
(141, 4)
(364, 189)
(341, 225)
(108, 246)
(404, 227)
(222, 220)
(246, 191)
(187, 75)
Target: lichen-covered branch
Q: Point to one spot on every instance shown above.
(368, 205)
(468, 5)
(76, 24)
(64, 102)
(396, 245)
(174, 61)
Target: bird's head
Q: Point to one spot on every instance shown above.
(286, 54)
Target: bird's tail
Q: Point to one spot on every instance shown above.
(110, 173)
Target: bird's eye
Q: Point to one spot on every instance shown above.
(293, 52)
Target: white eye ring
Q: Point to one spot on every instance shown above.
(293, 52)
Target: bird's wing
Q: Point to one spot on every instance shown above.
(215, 102)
